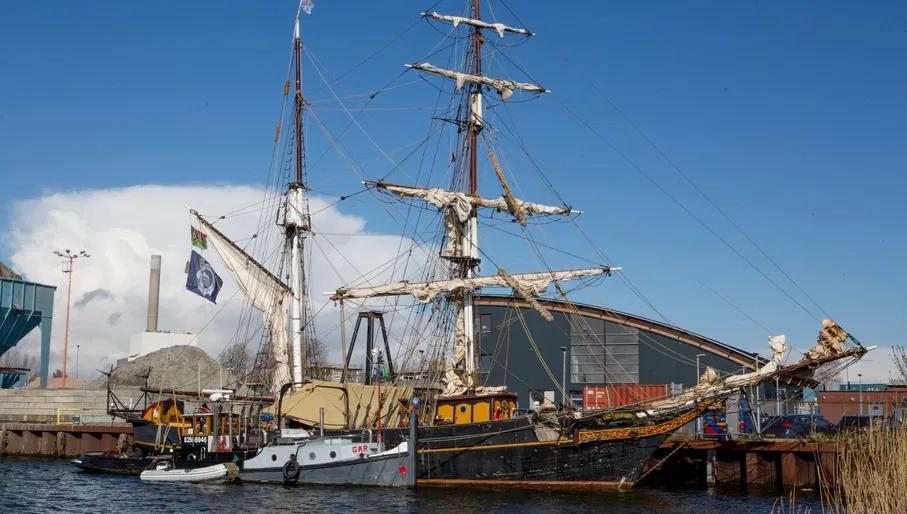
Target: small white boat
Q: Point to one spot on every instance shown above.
(215, 473)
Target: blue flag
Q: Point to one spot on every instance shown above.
(202, 279)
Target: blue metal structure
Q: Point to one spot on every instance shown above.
(24, 306)
(11, 378)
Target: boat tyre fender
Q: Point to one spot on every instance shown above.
(291, 470)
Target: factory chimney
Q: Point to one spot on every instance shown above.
(154, 292)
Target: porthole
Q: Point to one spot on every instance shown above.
(462, 408)
(333, 455)
(274, 457)
(311, 455)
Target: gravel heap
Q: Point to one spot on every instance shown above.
(176, 367)
(7, 272)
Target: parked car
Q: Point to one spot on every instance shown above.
(746, 425)
(714, 425)
(854, 423)
(797, 425)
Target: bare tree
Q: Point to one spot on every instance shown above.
(317, 353)
(899, 357)
(238, 358)
(18, 359)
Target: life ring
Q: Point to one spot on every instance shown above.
(291, 470)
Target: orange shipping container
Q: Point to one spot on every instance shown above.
(618, 395)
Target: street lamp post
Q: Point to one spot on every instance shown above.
(564, 377)
(777, 396)
(698, 375)
(70, 256)
(77, 361)
(860, 377)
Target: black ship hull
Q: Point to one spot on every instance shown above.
(517, 453)
(103, 462)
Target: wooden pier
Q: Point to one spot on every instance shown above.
(772, 464)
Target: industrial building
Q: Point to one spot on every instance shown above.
(589, 346)
(24, 306)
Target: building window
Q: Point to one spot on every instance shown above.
(485, 363)
(587, 351)
(621, 354)
(483, 324)
(603, 352)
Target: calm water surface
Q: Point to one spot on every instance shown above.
(36, 485)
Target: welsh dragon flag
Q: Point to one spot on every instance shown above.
(199, 239)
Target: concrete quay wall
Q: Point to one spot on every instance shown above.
(45, 440)
(65, 405)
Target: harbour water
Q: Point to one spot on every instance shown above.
(45, 485)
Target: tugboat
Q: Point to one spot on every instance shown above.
(296, 458)
(165, 436)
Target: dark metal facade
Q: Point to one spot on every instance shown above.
(602, 346)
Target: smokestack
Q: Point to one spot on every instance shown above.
(154, 292)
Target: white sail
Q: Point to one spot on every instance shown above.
(504, 87)
(457, 207)
(500, 28)
(265, 292)
(532, 283)
(462, 203)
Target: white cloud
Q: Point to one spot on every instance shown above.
(122, 228)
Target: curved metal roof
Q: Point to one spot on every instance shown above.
(741, 357)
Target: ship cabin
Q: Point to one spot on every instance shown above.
(462, 409)
(213, 430)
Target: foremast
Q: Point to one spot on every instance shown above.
(296, 223)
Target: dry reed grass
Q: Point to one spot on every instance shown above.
(791, 507)
(871, 469)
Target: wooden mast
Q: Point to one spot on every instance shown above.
(296, 223)
(473, 126)
(470, 249)
(298, 105)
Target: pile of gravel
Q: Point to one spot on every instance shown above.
(174, 368)
(7, 272)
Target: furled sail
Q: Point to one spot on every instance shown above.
(457, 206)
(462, 203)
(500, 28)
(265, 291)
(830, 347)
(531, 283)
(504, 87)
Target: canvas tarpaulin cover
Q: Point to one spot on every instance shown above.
(303, 405)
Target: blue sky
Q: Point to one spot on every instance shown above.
(791, 116)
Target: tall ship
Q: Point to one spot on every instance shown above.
(471, 433)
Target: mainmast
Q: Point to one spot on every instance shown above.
(296, 225)
(470, 247)
(460, 209)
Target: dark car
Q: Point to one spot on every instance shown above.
(858, 423)
(714, 425)
(797, 425)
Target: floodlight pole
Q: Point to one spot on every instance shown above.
(70, 257)
(698, 419)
